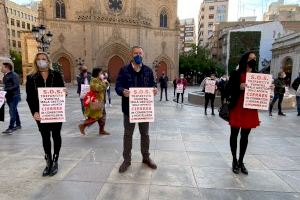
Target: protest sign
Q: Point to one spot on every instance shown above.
(179, 88)
(84, 90)
(210, 86)
(257, 91)
(52, 104)
(141, 105)
(2, 98)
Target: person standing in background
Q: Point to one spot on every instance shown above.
(175, 85)
(181, 83)
(13, 96)
(296, 87)
(279, 91)
(221, 87)
(108, 95)
(83, 78)
(163, 81)
(210, 95)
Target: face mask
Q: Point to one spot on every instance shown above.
(138, 59)
(252, 64)
(84, 71)
(181, 77)
(101, 76)
(42, 64)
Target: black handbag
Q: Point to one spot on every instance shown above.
(224, 111)
(2, 111)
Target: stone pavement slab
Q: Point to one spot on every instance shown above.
(192, 152)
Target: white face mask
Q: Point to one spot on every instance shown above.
(42, 64)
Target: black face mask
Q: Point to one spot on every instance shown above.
(252, 64)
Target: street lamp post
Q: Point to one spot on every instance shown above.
(43, 39)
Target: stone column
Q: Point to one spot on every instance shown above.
(4, 48)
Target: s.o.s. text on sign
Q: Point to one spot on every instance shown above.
(141, 105)
(52, 104)
(257, 91)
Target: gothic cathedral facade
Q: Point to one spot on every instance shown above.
(102, 32)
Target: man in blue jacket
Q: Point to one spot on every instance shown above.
(135, 74)
(12, 87)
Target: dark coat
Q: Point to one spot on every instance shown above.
(11, 85)
(163, 81)
(296, 83)
(36, 81)
(129, 78)
(80, 80)
(279, 86)
(232, 89)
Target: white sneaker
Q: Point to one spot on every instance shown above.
(110, 105)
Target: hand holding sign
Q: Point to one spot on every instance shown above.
(2, 98)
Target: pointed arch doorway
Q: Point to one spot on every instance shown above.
(162, 67)
(66, 65)
(114, 65)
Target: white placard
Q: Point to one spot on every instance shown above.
(179, 88)
(210, 86)
(2, 98)
(257, 91)
(141, 105)
(52, 103)
(84, 90)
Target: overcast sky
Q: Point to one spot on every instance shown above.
(190, 8)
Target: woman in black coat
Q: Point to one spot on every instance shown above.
(241, 120)
(44, 76)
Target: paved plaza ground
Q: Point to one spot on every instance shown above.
(192, 152)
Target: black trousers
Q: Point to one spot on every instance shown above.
(243, 142)
(161, 93)
(211, 98)
(48, 130)
(279, 97)
(178, 94)
(127, 142)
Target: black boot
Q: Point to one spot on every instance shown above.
(47, 170)
(235, 167)
(54, 167)
(205, 112)
(243, 168)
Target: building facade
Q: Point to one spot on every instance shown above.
(19, 18)
(248, 19)
(187, 34)
(286, 56)
(211, 12)
(269, 32)
(102, 32)
(279, 12)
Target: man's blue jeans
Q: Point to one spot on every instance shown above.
(298, 104)
(12, 103)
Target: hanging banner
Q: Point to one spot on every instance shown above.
(2, 98)
(258, 91)
(84, 90)
(52, 104)
(141, 105)
(210, 86)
